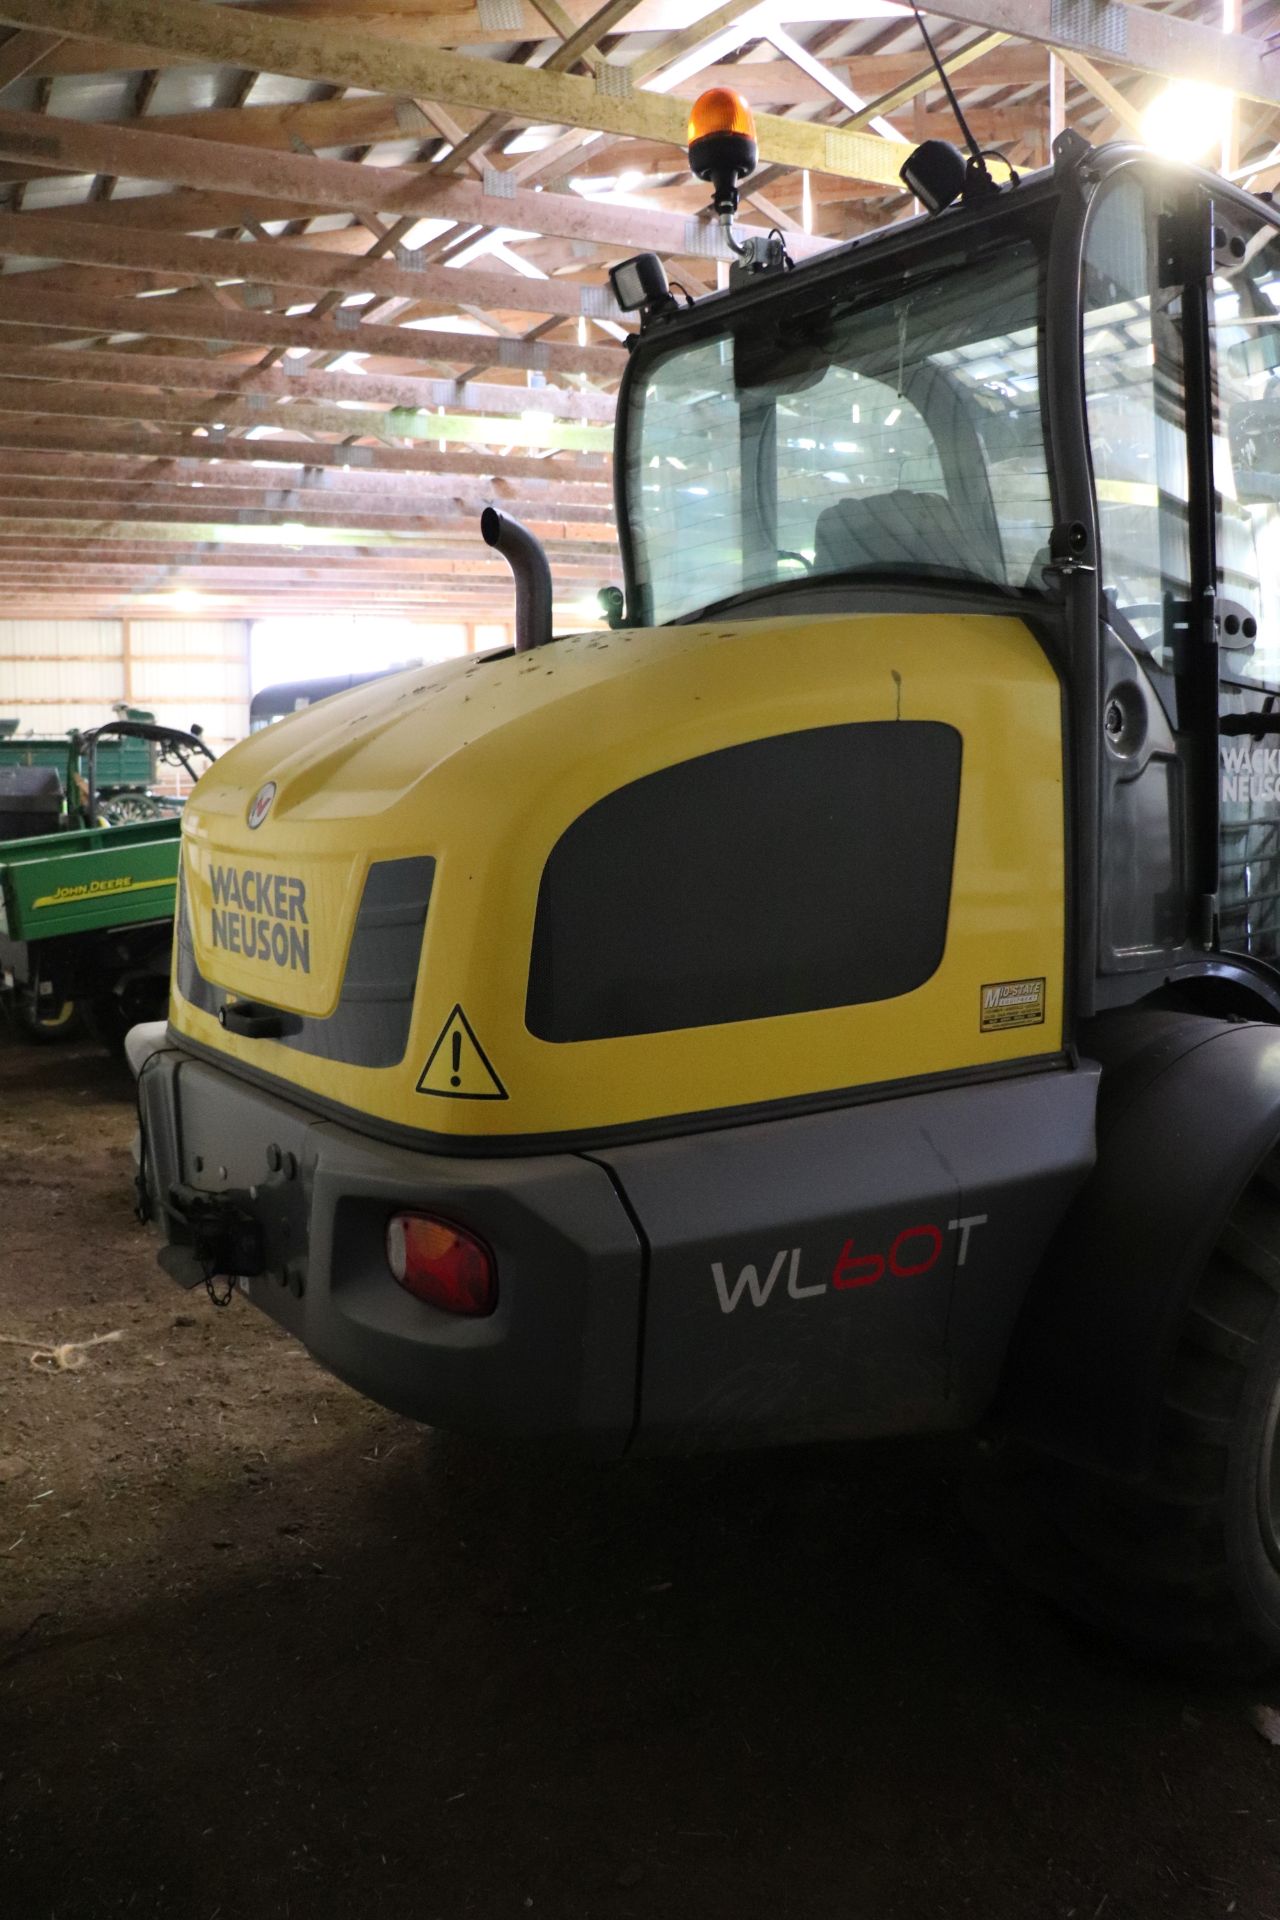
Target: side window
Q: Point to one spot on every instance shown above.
(1246, 447)
(1244, 316)
(689, 493)
(808, 870)
(1137, 418)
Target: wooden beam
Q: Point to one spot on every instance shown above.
(346, 56)
(95, 436)
(314, 186)
(286, 264)
(187, 211)
(24, 50)
(912, 88)
(117, 474)
(32, 545)
(1101, 88)
(990, 125)
(1005, 63)
(451, 566)
(645, 66)
(359, 120)
(925, 79)
(179, 319)
(430, 574)
(54, 399)
(595, 28)
(365, 119)
(1130, 36)
(234, 378)
(215, 524)
(455, 26)
(1057, 98)
(101, 500)
(390, 504)
(575, 43)
(771, 83)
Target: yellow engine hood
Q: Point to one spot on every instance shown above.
(484, 763)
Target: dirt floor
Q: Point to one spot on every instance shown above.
(266, 1651)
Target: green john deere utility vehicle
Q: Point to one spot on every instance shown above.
(87, 879)
(127, 765)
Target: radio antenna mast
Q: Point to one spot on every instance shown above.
(977, 159)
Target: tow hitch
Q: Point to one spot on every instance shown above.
(224, 1238)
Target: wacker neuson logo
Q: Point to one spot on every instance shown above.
(260, 806)
(262, 916)
(1012, 1003)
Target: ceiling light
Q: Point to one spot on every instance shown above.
(1188, 120)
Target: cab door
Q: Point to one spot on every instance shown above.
(1244, 339)
(1152, 537)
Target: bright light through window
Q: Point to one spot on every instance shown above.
(289, 647)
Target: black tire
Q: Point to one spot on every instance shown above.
(1185, 1567)
(139, 995)
(105, 1022)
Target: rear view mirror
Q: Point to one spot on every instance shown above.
(762, 358)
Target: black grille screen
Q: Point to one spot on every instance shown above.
(1249, 883)
(806, 870)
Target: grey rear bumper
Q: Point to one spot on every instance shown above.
(559, 1354)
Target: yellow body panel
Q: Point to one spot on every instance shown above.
(484, 764)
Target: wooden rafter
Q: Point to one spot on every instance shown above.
(197, 318)
(99, 436)
(163, 415)
(217, 374)
(344, 186)
(348, 57)
(26, 48)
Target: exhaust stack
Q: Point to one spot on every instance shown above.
(525, 555)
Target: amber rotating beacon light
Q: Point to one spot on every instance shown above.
(722, 146)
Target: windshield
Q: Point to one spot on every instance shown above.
(893, 429)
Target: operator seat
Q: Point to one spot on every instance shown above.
(900, 529)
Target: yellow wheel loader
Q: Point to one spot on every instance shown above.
(843, 998)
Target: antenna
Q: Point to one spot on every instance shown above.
(977, 160)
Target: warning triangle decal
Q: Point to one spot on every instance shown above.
(458, 1067)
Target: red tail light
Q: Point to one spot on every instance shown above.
(441, 1264)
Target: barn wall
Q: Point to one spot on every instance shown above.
(59, 674)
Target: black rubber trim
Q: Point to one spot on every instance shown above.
(583, 1139)
(646, 1265)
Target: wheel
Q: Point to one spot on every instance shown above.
(49, 1022)
(105, 1021)
(109, 1016)
(1185, 1566)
